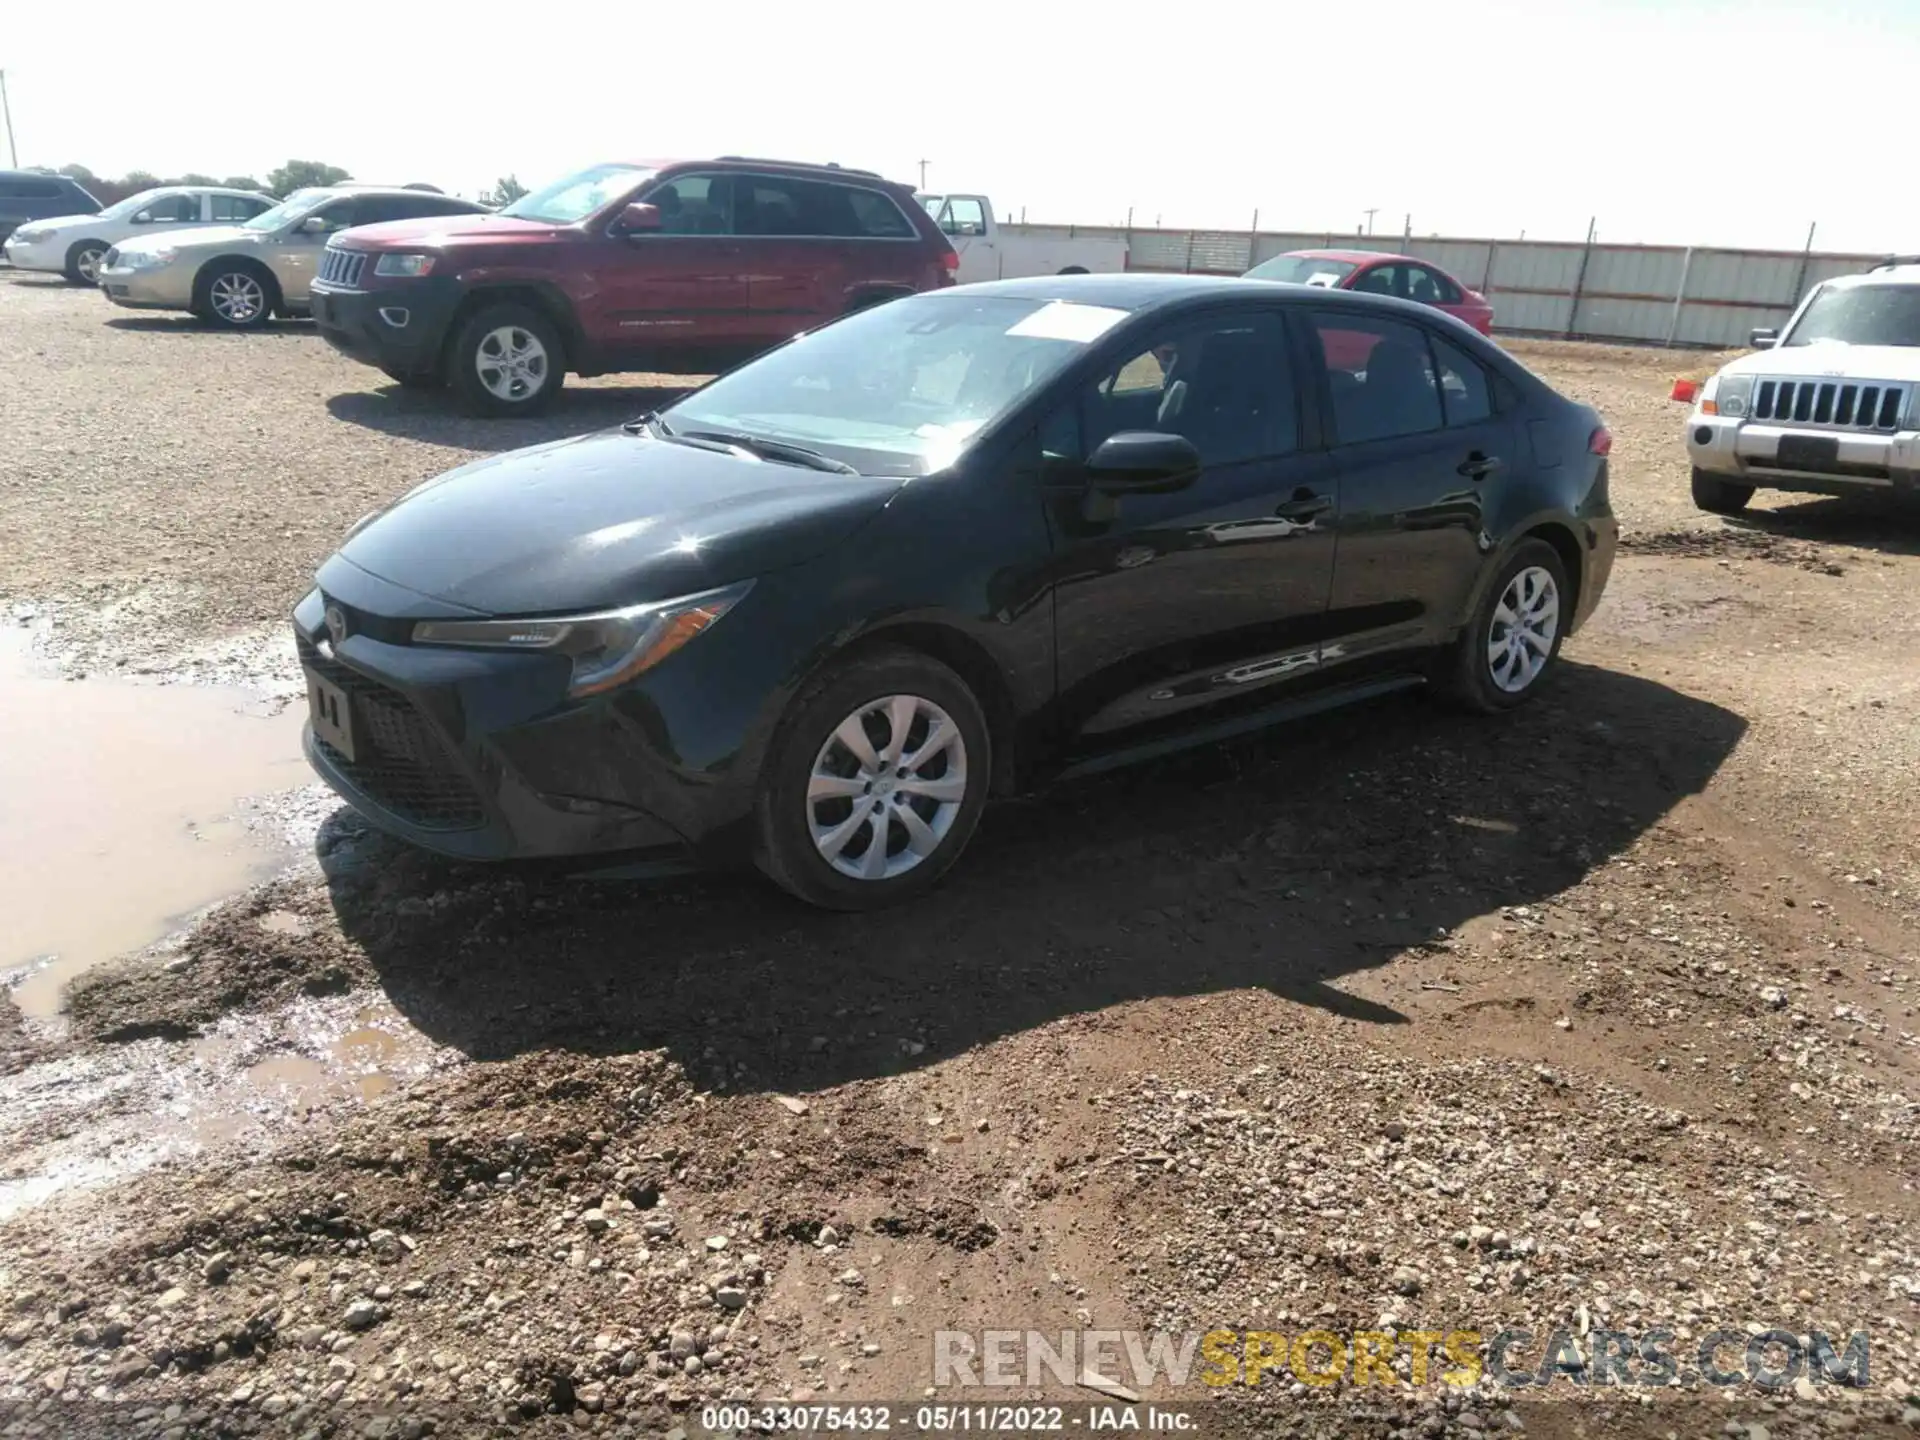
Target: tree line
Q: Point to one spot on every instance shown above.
(284, 180)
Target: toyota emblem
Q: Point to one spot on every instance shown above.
(336, 623)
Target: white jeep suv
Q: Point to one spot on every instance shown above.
(1830, 406)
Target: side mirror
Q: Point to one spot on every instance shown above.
(312, 225)
(639, 219)
(1143, 460)
(1763, 339)
(145, 217)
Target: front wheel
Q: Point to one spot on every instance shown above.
(234, 296)
(875, 784)
(1510, 645)
(1717, 496)
(84, 261)
(506, 360)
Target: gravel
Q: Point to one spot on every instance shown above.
(1600, 1016)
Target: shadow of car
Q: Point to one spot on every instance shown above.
(426, 415)
(1286, 862)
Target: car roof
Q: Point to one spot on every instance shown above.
(1142, 292)
(1357, 257)
(831, 169)
(1903, 271)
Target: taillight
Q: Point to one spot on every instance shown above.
(951, 260)
(1600, 442)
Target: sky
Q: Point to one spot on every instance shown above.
(1669, 121)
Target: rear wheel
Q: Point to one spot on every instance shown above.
(1717, 496)
(83, 262)
(506, 360)
(1509, 647)
(235, 295)
(875, 783)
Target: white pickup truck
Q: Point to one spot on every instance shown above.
(989, 253)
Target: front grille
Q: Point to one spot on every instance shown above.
(1847, 404)
(342, 267)
(399, 759)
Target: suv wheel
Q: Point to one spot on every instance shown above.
(876, 783)
(1510, 645)
(507, 360)
(234, 295)
(1717, 496)
(83, 262)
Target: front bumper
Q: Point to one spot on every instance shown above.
(400, 328)
(38, 255)
(168, 288)
(1748, 451)
(480, 755)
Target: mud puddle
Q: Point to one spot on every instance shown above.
(122, 810)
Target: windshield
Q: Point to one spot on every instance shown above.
(132, 205)
(1860, 315)
(579, 195)
(1302, 270)
(900, 389)
(289, 209)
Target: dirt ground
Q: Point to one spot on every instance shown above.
(1597, 1017)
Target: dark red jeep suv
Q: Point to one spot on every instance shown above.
(684, 267)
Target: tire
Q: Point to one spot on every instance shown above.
(235, 295)
(1498, 665)
(1717, 496)
(822, 847)
(83, 261)
(410, 380)
(519, 334)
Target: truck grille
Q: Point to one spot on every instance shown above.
(1849, 404)
(402, 763)
(342, 267)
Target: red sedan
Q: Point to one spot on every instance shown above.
(1401, 276)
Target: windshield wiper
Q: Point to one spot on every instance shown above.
(769, 449)
(649, 424)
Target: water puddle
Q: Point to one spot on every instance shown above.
(119, 807)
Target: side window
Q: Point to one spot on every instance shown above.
(340, 215)
(1380, 280)
(235, 207)
(1227, 385)
(963, 215)
(763, 205)
(1380, 375)
(875, 216)
(694, 205)
(174, 210)
(1430, 287)
(1465, 390)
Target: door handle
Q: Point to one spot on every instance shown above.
(1304, 505)
(1478, 466)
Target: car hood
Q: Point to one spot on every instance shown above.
(607, 520)
(198, 237)
(440, 230)
(1830, 358)
(59, 222)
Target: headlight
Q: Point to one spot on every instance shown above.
(403, 265)
(147, 259)
(29, 236)
(1732, 395)
(607, 649)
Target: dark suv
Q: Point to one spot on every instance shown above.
(31, 195)
(686, 267)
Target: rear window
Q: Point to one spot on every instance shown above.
(33, 189)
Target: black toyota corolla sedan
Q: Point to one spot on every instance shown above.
(816, 612)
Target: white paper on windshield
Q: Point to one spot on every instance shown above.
(1324, 278)
(1062, 320)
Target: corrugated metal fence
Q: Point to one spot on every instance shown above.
(1658, 294)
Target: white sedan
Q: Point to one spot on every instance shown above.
(74, 245)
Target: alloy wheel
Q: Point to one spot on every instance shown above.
(886, 787)
(1526, 622)
(512, 363)
(87, 263)
(238, 299)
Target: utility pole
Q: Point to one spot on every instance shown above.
(1370, 214)
(923, 174)
(13, 153)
